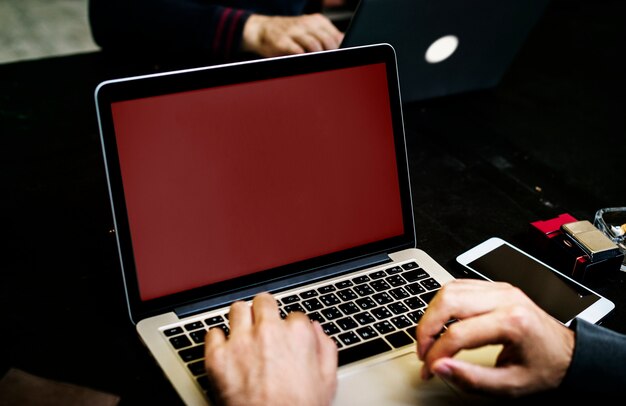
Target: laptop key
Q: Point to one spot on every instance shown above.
(198, 336)
(204, 382)
(427, 297)
(348, 338)
(378, 274)
(399, 293)
(401, 321)
(347, 323)
(330, 328)
(415, 274)
(416, 316)
(294, 308)
(317, 317)
(363, 290)
(415, 288)
(381, 313)
(410, 265)
(366, 332)
(326, 289)
(395, 280)
(192, 354)
(197, 368)
(363, 350)
(361, 279)
(394, 270)
(366, 303)
(308, 294)
(397, 308)
(380, 285)
(180, 342)
(290, 299)
(349, 308)
(214, 320)
(172, 331)
(330, 299)
(364, 318)
(312, 304)
(194, 326)
(399, 339)
(430, 284)
(382, 298)
(411, 331)
(347, 295)
(414, 303)
(343, 284)
(331, 313)
(384, 327)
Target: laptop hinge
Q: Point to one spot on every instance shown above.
(281, 284)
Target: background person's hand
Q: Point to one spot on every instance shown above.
(279, 35)
(266, 360)
(537, 349)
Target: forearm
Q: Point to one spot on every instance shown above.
(177, 25)
(214, 28)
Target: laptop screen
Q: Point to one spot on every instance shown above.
(232, 180)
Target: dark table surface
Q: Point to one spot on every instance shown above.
(549, 139)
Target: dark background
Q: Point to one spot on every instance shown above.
(549, 139)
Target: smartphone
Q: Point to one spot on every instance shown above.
(556, 293)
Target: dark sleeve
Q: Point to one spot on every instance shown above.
(178, 26)
(599, 360)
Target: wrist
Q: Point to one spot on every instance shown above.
(251, 36)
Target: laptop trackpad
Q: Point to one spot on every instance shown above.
(397, 381)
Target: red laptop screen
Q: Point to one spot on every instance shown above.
(232, 180)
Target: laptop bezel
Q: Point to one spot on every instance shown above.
(124, 89)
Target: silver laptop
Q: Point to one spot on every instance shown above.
(447, 46)
(286, 175)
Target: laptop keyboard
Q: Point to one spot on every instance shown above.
(365, 315)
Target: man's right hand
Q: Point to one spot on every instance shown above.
(537, 349)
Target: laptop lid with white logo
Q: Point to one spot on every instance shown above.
(449, 46)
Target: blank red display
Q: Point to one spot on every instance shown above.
(233, 180)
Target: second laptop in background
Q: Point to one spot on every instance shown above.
(447, 46)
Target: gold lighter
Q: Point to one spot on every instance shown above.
(591, 240)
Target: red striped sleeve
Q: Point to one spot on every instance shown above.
(231, 32)
(220, 29)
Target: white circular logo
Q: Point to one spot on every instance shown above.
(441, 49)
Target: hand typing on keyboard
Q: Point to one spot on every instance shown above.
(266, 358)
(537, 349)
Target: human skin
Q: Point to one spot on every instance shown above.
(267, 360)
(537, 349)
(280, 35)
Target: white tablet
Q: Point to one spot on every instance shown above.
(556, 293)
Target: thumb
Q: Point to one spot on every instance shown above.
(477, 378)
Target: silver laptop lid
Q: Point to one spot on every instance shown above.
(230, 179)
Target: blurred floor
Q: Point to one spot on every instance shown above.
(32, 29)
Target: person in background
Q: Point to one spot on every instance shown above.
(220, 30)
(266, 360)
